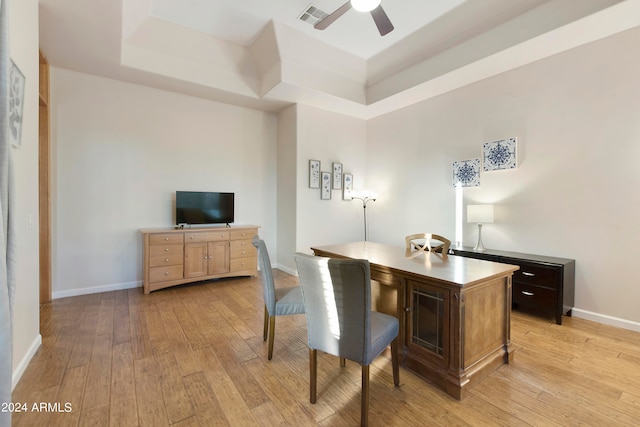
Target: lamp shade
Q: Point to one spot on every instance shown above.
(481, 214)
(365, 5)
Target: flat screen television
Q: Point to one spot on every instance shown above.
(200, 207)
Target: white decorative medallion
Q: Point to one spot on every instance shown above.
(467, 173)
(500, 154)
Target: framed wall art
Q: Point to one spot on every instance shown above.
(314, 173)
(16, 103)
(467, 173)
(325, 190)
(501, 154)
(347, 186)
(337, 176)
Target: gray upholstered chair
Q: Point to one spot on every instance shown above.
(277, 301)
(337, 298)
(422, 242)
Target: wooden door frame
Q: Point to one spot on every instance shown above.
(44, 183)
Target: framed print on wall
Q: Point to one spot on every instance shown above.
(314, 173)
(347, 186)
(325, 190)
(467, 173)
(16, 102)
(501, 154)
(337, 176)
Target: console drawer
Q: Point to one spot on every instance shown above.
(242, 249)
(212, 236)
(242, 264)
(537, 275)
(165, 274)
(160, 260)
(534, 296)
(243, 234)
(165, 250)
(165, 239)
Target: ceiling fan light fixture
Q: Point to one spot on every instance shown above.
(365, 5)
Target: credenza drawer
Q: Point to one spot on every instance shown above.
(246, 233)
(165, 274)
(537, 275)
(534, 296)
(242, 249)
(212, 236)
(165, 250)
(241, 264)
(165, 239)
(158, 261)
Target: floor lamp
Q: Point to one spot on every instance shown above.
(366, 197)
(480, 214)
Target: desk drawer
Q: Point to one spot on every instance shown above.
(537, 275)
(243, 264)
(534, 296)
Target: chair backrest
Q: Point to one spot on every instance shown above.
(426, 245)
(337, 299)
(268, 285)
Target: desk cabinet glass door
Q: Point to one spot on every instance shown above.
(428, 322)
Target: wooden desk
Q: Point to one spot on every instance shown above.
(454, 312)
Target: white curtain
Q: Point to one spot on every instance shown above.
(7, 261)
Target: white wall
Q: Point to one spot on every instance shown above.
(119, 153)
(23, 38)
(328, 137)
(575, 192)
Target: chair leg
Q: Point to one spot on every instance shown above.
(272, 333)
(343, 362)
(364, 399)
(313, 374)
(394, 362)
(266, 323)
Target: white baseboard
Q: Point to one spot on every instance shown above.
(22, 366)
(292, 272)
(95, 289)
(606, 320)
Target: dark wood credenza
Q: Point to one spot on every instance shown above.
(544, 284)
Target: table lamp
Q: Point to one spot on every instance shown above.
(480, 214)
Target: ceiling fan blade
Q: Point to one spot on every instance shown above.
(382, 21)
(332, 17)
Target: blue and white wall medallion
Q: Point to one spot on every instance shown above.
(467, 173)
(500, 154)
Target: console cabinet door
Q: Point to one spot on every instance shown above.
(218, 257)
(195, 260)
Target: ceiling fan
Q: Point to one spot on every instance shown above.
(373, 6)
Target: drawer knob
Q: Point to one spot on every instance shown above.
(244, 252)
(191, 237)
(166, 260)
(527, 293)
(166, 249)
(526, 273)
(166, 273)
(166, 238)
(242, 243)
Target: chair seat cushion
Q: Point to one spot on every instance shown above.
(384, 329)
(289, 301)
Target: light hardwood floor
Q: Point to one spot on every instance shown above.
(194, 356)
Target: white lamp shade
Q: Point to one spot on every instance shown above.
(365, 5)
(481, 214)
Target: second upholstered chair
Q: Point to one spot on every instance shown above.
(337, 298)
(277, 301)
